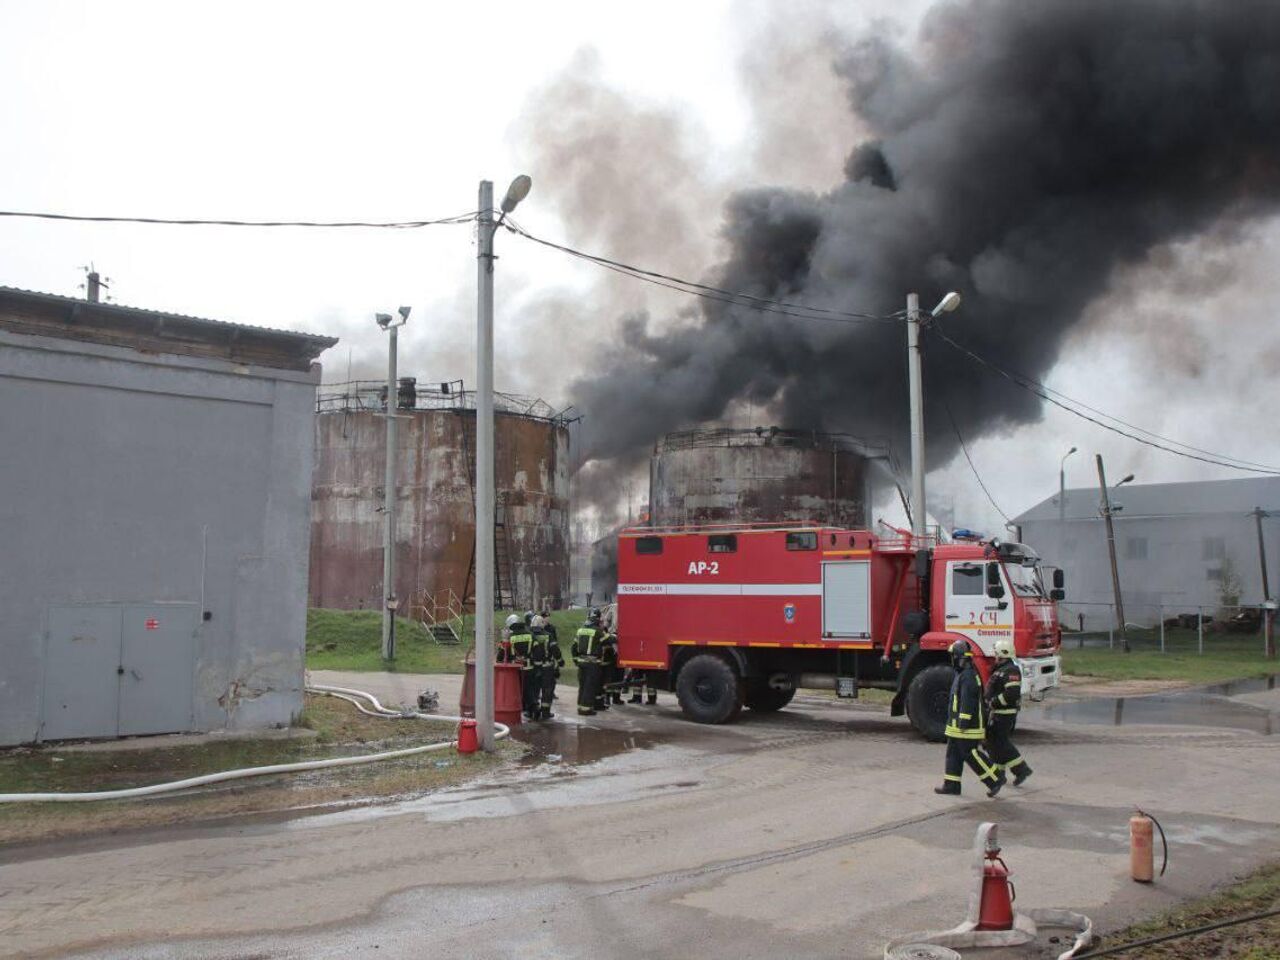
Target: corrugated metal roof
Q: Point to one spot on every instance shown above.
(1166, 499)
(317, 340)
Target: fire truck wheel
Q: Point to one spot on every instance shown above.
(766, 699)
(709, 690)
(927, 701)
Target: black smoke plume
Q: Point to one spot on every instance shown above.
(1020, 153)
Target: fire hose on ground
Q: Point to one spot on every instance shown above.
(366, 703)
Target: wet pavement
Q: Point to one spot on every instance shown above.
(1223, 705)
(809, 833)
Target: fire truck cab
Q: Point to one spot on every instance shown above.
(742, 616)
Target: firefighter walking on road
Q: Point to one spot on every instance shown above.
(586, 649)
(966, 727)
(1004, 699)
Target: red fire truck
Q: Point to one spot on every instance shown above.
(734, 616)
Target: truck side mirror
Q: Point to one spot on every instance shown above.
(995, 589)
(1057, 593)
(1059, 579)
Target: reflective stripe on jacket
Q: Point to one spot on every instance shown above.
(521, 640)
(966, 718)
(1004, 689)
(585, 647)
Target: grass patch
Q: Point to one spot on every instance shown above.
(1225, 658)
(340, 730)
(1259, 940)
(352, 640)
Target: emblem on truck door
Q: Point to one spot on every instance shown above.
(789, 612)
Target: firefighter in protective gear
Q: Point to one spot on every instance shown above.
(966, 727)
(521, 638)
(610, 672)
(1004, 699)
(542, 673)
(553, 646)
(504, 653)
(588, 643)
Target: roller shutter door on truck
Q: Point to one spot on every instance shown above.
(846, 599)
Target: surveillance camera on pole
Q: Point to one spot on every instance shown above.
(946, 305)
(389, 600)
(485, 493)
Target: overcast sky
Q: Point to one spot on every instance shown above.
(395, 111)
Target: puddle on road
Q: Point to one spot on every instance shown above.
(1202, 707)
(577, 743)
(1236, 688)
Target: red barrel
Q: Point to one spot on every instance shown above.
(507, 702)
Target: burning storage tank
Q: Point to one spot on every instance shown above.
(760, 475)
(435, 500)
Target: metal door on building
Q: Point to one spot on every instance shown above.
(118, 670)
(846, 599)
(81, 687)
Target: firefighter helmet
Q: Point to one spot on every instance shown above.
(959, 651)
(1003, 649)
(512, 621)
(528, 618)
(594, 615)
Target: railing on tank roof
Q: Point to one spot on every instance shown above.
(770, 436)
(370, 395)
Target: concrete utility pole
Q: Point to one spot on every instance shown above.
(917, 415)
(485, 492)
(1258, 515)
(1111, 549)
(390, 603)
(916, 386)
(485, 486)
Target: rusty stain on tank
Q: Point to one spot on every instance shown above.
(435, 512)
(760, 475)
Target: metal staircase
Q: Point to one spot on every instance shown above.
(441, 615)
(503, 581)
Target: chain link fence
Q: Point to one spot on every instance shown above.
(1169, 627)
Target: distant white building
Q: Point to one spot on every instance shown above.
(1178, 545)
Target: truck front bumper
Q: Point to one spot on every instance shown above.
(1040, 675)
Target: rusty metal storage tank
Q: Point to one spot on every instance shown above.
(760, 475)
(435, 512)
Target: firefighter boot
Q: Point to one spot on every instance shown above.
(995, 786)
(653, 698)
(1020, 777)
(948, 789)
(636, 698)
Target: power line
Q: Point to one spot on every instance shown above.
(974, 468)
(781, 307)
(324, 224)
(1048, 395)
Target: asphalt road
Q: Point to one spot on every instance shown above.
(809, 833)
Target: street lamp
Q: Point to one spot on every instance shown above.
(389, 600)
(945, 305)
(1062, 506)
(485, 487)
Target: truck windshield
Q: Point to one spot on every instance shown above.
(1026, 580)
